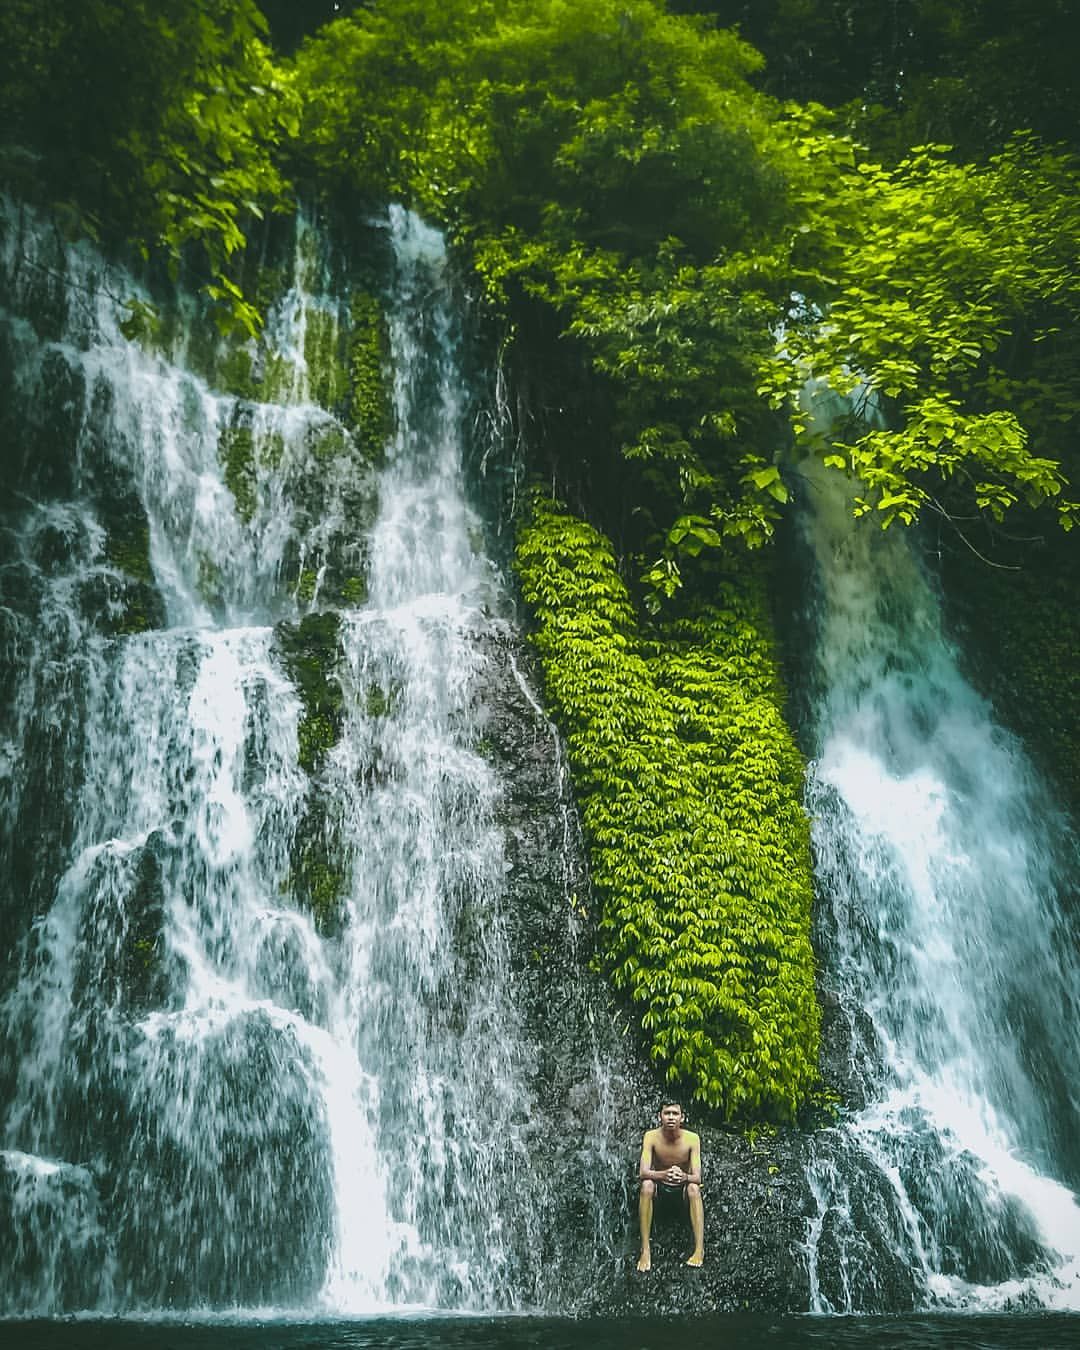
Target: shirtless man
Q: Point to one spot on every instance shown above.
(671, 1165)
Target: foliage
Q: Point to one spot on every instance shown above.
(615, 182)
(639, 216)
(633, 207)
(629, 203)
(689, 787)
(158, 121)
(970, 73)
(953, 290)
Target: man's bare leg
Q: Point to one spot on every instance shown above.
(645, 1203)
(697, 1223)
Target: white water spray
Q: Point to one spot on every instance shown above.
(941, 862)
(213, 1101)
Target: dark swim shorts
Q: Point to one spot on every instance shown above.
(667, 1194)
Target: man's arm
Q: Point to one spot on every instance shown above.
(645, 1167)
(694, 1172)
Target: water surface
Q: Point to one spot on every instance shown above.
(1036, 1331)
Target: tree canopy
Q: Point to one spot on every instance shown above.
(634, 205)
(671, 250)
(160, 123)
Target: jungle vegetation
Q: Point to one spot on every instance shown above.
(674, 219)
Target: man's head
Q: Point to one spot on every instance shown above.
(671, 1117)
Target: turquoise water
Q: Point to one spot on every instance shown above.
(1042, 1331)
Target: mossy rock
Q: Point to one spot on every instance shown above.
(127, 546)
(318, 878)
(119, 607)
(354, 591)
(311, 650)
(327, 440)
(125, 599)
(370, 413)
(242, 454)
(236, 373)
(380, 702)
(47, 295)
(236, 450)
(306, 585)
(122, 949)
(324, 356)
(271, 283)
(690, 786)
(211, 583)
(40, 452)
(348, 592)
(278, 379)
(144, 973)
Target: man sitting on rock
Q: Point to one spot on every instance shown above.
(670, 1171)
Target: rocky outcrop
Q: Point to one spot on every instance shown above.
(600, 1093)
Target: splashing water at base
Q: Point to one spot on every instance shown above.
(941, 867)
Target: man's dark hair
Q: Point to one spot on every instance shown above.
(669, 1102)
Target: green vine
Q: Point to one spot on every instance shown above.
(689, 786)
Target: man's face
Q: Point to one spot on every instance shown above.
(671, 1118)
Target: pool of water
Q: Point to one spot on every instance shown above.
(1023, 1331)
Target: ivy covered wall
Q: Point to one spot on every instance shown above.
(689, 785)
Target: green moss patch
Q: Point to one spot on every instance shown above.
(354, 590)
(311, 649)
(380, 702)
(242, 454)
(318, 880)
(689, 783)
(327, 441)
(369, 397)
(127, 547)
(236, 373)
(328, 378)
(236, 450)
(130, 603)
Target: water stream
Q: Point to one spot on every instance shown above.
(944, 869)
(214, 1096)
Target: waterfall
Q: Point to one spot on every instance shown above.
(948, 952)
(259, 1039)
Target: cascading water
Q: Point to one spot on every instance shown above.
(942, 871)
(428, 1000)
(214, 1096)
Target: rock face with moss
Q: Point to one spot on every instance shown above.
(757, 1197)
(310, 652)
(689, 785)
(1017, 604)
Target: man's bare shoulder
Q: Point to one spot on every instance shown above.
(691, 1138)
(651, 1136)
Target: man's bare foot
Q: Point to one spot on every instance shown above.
(696, 1259)
(644, 1261)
